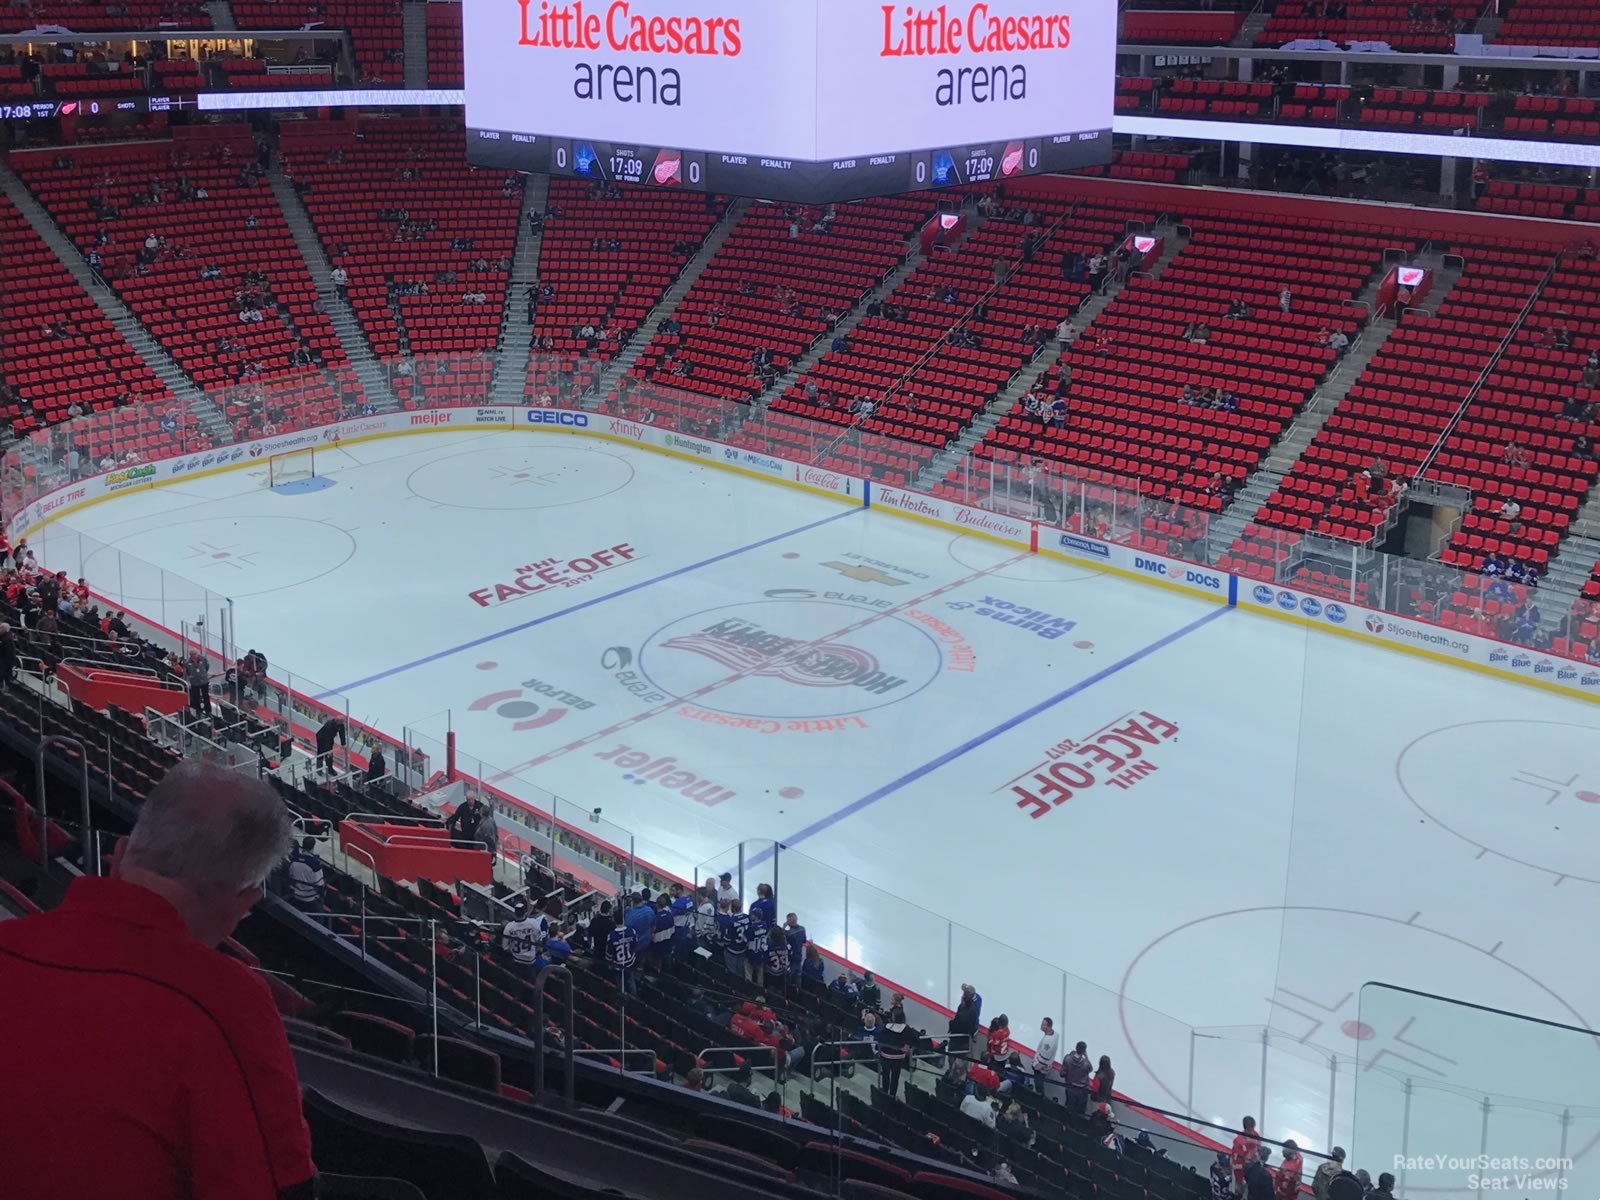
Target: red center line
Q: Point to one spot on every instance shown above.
(735, 677)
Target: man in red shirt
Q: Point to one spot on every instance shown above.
(144, 1063)
(1243, 1153)
(1287, 1184)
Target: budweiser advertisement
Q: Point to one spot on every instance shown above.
(805, 100)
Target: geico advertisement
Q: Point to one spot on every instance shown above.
(918, 76)
(712, 75)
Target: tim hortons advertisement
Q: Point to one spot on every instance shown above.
(948, 512)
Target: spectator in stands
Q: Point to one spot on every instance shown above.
(1515, 454)
(1257, 1178)
(1058, 412)
(8, 656)
(1385, 1188)
(1510, 510)
(843, 986)
(811, 966)
(795, 934)
(333, 730)
(1575, 408)
(1044, 1057)
(197, 676)
(1560, 337)
(1285, 301)
(1326, 1173)
(1097, 271)
(1582, 446)
(999, 1042)
(984, 1111)
(1338, 342)
(964, 1023)
(1239, 310)
(1287, 1185)
(306, 881)
(868, 993)
(203, 1100)
(1101, 1087)
(739, 1089)
(621, 948)
(1013, 1123)
(341, 281)
(462, 825)
(1221, 1177)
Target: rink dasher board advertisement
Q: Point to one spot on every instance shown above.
(1517, 663)
(808, 100)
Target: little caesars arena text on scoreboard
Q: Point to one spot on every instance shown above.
(808, 100)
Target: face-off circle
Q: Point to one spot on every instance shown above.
(1524, 791)
(790, 659)
(230, 556)
(529, 475)
(1314, 996)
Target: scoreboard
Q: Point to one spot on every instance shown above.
(806, 100)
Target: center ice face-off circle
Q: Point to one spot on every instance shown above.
(790, 659)
(523, 476)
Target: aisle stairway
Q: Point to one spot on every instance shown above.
(629, 354)
(125, 323)
(372, 374)
(516, 331)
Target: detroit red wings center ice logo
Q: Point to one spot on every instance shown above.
(746, 648)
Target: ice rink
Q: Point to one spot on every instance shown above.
(1172, 824)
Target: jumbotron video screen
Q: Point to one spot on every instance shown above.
(803, 100)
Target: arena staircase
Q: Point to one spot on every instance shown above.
(629, 354)
(414, 20)
(914, 258)
(939, 468)
(160, 362)
(1252, 27)
(1282, 457)
(1573, 563)
(516, 331)
(374, 378)
(222, 18)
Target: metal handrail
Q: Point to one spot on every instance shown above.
(944, 338)
(90, 865)
(772, 1050)
(1488, 368)
(540, 982)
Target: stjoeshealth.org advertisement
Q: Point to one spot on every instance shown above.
(911, 76)
(711, 75)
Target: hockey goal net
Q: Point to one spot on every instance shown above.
(292, 467)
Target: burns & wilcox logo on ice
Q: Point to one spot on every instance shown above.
(1117, 755)
(1029, 620)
